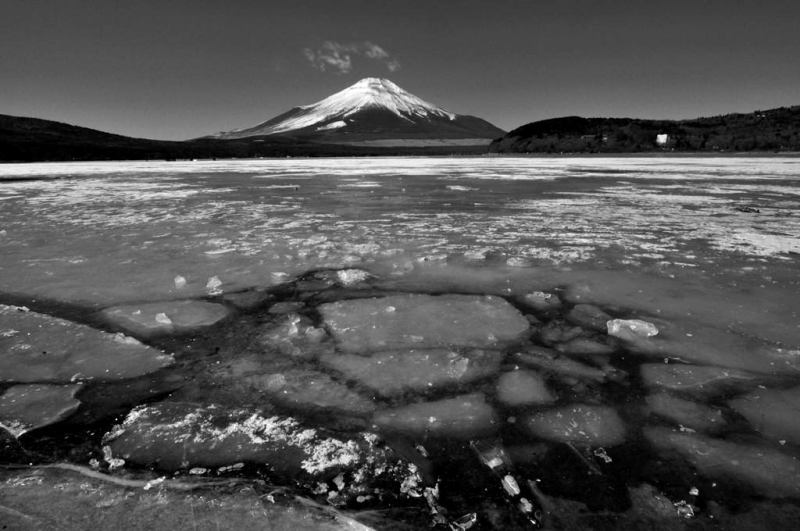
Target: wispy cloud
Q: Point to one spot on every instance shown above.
(338, 57)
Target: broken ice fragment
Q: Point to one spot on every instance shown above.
(463, 416)
(180, 282)
(773, 473)
(523, 388)
(579, 423)
(27, 407)
(588, 316)
(214, 285)
(166, 317)
(418, 370)
(630, 328)
(684, 412)
(71, 349)
(772, 412)
(422, 321)
(697, 379)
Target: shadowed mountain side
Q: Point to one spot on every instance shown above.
(772, 130)
(32, 139)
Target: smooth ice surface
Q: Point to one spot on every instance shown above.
(553, 362)
(40, 348)
(422, 321)
(415, 370)
(578, 423)
(523, 388)
(461, 417)
(588, 316)
(773, 412)
(685, 413)
(167, 317)
(771, 472)
(697, 379)
(309, 389)
(26, 407)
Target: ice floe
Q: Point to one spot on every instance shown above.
(47, 349)
(422, 321)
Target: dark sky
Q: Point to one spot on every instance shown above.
(179, 69)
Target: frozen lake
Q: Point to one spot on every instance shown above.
(619, 336)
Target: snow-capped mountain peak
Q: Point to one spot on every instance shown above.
(373, 92)
(371, 106)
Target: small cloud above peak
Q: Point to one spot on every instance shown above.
(338, 57)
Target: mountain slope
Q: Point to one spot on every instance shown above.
(25, 139)
(771, 130)
(371, 109)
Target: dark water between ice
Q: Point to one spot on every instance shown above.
(327, 270)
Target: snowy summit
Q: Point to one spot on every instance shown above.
(371, 109)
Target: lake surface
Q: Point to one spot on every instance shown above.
(483, 343)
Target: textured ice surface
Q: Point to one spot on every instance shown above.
(63, 500)
(773, 412)
(578, 423)
(771, 472)
(175, 436)
(165, 317)
(416, 370)
(26, 407)
(40, 348)
(461, 417)
(422, 321)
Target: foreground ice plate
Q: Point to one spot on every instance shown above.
(39, 348)
(422, 321)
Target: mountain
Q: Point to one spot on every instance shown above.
(24, 139)
(373, 110)
(771, 130)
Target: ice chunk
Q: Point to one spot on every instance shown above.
(422, 321)
(214, 286)
(697, 379)
(47, 349)
(168, 317)
(26, 407)
(351, 277)
(523, 388)
(309, 389)
(772, 473)
(630, 328)
(709, 346)
(247, 300)
(550, 360)
(176, 435)
(541, 301)
(773, 412)
(581, 346)
(578, 423)
(52, 499)
(588, 316)
(417, 370)
(462, 417)
(684, 412)
(296, 336)
(180, 282)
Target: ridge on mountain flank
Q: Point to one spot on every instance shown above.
(371, 109)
